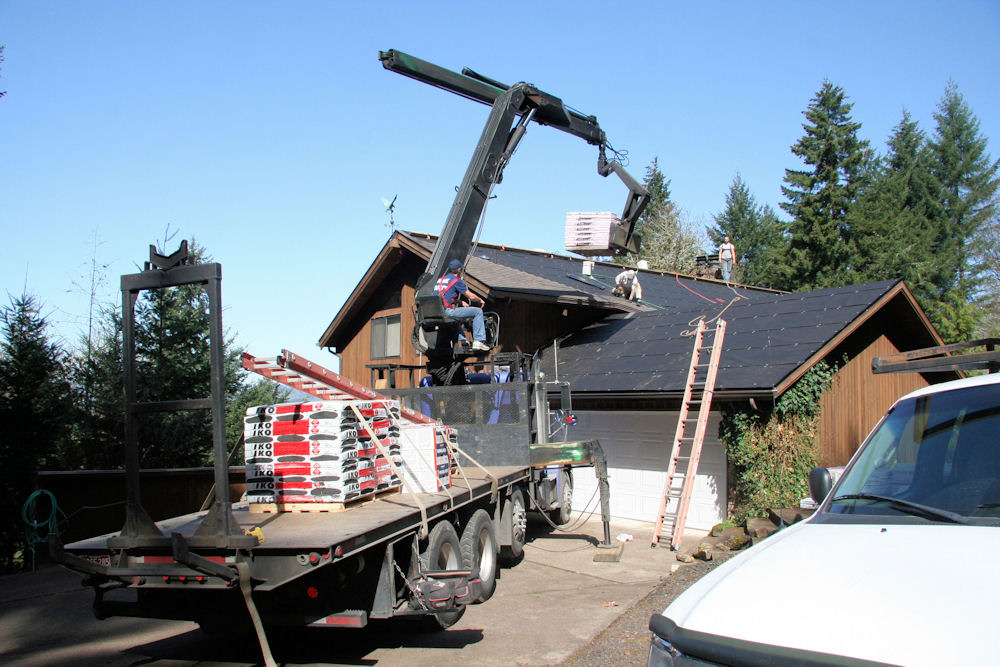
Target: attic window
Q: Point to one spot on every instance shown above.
(385, 337)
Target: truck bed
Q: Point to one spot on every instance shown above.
(354, 527)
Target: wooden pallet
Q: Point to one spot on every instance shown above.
(323, 506)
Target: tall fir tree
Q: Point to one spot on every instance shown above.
(969, 180)
(668, 243)
(755, 231)
(821, 247)
(36, 410)
(898, 223)
(97, 380)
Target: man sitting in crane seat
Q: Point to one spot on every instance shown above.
(453, 291)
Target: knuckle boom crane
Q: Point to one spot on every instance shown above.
(513, 108)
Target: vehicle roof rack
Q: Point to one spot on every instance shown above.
(971, 355)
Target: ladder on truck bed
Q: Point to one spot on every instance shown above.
(299, 373)
(698, 391)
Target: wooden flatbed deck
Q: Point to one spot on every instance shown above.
(354, 529)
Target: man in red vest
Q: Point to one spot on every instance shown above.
(453, 292)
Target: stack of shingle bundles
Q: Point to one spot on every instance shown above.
(426, 457)
(319, 452)
(589, 233)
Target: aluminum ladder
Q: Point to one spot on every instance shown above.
(299, 373)
(698, 391)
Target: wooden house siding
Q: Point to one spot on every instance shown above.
(856, 401)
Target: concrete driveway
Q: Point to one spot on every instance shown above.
(551, 603)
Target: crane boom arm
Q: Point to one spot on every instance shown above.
(512, 109)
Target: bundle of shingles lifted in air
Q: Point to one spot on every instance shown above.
(338, 451)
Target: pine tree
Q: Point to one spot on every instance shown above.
(821, 250)
(35, 413)
(755, 231)
(969, 180)
(668, 243)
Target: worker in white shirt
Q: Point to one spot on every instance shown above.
(627, 285)
(727, 255)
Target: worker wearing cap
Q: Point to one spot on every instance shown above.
(627, 285)
(453, 290)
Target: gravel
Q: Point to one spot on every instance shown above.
(626, 641)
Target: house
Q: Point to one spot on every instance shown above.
(626, 363)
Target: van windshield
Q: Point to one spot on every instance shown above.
(939, 451)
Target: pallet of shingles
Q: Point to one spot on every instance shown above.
(320, 452)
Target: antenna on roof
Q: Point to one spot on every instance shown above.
(390, 208)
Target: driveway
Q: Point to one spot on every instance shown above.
(553, 602)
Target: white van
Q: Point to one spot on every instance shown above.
(900, 563)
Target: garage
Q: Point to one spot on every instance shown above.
(637, 445)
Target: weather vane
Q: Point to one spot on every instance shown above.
(390, 208)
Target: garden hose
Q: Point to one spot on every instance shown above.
(33, 527)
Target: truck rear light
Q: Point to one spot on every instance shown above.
(312, 592)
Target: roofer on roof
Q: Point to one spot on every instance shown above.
(454, 293)
(627, 285)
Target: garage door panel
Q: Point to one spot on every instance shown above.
(637, 445)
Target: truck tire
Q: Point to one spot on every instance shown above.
(517, 511)
(443, 552)
(562, 514)
(479, 552)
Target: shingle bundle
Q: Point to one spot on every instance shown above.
(589, 233)
(427, 459)
(320, 452)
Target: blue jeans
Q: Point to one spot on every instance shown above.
(727, 269)
(466, 313)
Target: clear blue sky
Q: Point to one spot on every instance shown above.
(269, 131)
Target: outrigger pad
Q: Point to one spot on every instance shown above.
(443, 590)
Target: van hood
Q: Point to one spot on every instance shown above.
(903, 594)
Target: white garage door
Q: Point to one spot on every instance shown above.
(637, 445)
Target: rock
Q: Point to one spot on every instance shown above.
(736, 542)
(759, 528)
(703, 552)
(685, 558)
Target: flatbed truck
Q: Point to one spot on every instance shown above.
(427, 555)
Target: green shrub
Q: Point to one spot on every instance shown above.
(771, 454)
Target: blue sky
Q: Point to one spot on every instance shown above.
(270, 131)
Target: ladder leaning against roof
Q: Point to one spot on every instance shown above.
(698, 391)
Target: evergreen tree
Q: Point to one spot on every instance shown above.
(98, 382)
(172, 356)
(969, 180)
(755, 231)
(35, 412)
(821, 252)
(898, 223)
(668, 243)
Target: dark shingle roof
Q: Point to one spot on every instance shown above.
(768, 337)
(530, 272)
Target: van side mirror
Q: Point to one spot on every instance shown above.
(820, 483)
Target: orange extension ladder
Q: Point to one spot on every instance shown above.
(698, 390)
(298, 372)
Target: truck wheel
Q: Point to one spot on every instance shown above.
(561, 516)
(479, 552)
(518, 523)
(443, 552)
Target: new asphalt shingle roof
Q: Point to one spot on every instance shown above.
(770, 336)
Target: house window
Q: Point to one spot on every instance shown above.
(385, 336)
